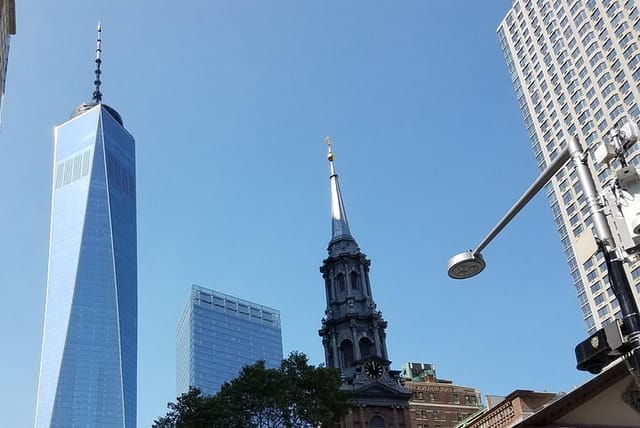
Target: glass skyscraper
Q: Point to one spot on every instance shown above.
(575, 67)
(7, 28)
(218, 334)
(89, 348)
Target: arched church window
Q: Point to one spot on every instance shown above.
(377, 422)
(355, 281)
(346, 349)
(341, 283)
(366, 347)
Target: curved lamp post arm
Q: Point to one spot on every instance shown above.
(470, 263)
(535, 187)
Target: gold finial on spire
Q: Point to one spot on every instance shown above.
(327, 140)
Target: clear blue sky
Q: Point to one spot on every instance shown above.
(229, 102)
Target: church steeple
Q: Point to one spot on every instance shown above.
(353, 330)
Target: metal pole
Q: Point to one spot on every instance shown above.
(617, 276)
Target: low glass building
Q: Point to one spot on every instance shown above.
(218, 334)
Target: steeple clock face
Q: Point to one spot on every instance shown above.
(373, 369)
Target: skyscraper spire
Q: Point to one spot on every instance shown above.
(339, 223)
(97, 95)
(96, 98)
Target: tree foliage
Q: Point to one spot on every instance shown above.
(295, 395)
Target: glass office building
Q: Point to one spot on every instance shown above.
(7, 29)
(218, 334)
(89, 351)
(575, 67)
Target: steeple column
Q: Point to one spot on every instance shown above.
(327, 351)
(384, 345)
(364, 281)
(376, 338)
(327, 287)
(334, 349)
(354, 338)
(332, 286)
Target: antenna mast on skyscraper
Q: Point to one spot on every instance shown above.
(97, 95)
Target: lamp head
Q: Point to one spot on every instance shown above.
(465, 265)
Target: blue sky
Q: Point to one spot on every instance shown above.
(229, 102)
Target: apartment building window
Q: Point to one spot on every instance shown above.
(626, 39)
(578, 230)
(602, 126)
(599, 69)
(604, 79)
(612, 101)
(588, 38)
(590, 323)
(582, 298)
(617, 112)
(615, 304)
(603, 311)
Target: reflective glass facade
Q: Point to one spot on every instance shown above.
(89, 351)
(7, 28)
(218, 334)
(575, 67)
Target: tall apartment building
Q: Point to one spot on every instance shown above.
(88, 368)
(437, 402)
(575, 67)
(218, 334)
(7, 28)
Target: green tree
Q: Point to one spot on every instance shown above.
(296, 395)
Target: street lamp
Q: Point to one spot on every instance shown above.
(622, 337)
